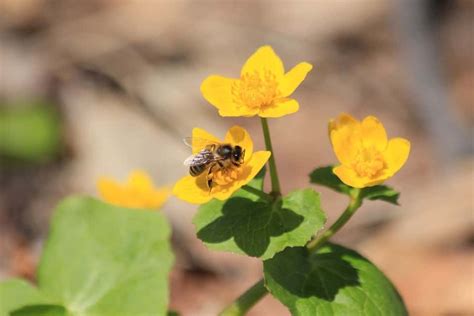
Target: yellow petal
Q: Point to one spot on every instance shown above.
(193, 189)
(202, 138)
(373, 133)
(280, 108)
(137, 192)
(264, 59)
(139, 180)
(349, 176)
(110, 190)
(396, 154)
(159, 197)
(293, 78)
(217, 90)
(250, 170)
(241, 111)
(345, 136)
(239, 136)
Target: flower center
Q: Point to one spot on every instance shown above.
(256, 89)
(226, 175)
(369, 162)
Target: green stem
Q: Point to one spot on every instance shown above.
(257, 192)
(273, 170)
(355, 203)
(246, 300)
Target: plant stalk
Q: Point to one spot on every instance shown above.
(246, 300)
(353, 206)
(259, 193)
(273, 170)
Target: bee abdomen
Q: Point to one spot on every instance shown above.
(196, 170)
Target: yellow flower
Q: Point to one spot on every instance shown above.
(367, 157)
(137, 192)
(225, 181)
(263, 87)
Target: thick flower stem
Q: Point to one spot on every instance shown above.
(258, 291)
(355, 203)
(257, 192)
(273, 170)
(246, 300)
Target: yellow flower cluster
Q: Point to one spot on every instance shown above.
(367, 157)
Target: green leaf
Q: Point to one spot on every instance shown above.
(16, 293)
(335, 281)
(380, 192)
(105, 260)
(325, 177)
(29, 133)
(246, 224)
(41, 310)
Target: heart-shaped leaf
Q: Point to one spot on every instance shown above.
(246, 224)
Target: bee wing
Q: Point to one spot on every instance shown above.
(189, 161)
(196, 142)
(203, 157)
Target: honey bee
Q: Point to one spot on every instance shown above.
(213, 157)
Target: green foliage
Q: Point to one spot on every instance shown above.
(246, 224)
(29, 133)
(15, 293)
(325, 177)
(41, 310)
(103, 260)
(334, 281)
(380, 192)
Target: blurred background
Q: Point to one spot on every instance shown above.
(101, 87)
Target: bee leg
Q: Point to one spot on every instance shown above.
(209, 178)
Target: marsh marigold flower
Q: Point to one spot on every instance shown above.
(137, 192)
(263, 87)
(225, 181)
(367, 157)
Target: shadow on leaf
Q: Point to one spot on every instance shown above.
(251, 224)
(305, 274)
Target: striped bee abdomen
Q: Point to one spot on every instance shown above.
(196, 170)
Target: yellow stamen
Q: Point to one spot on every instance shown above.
(256, 89)
(369, 162)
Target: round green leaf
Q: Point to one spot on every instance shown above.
(335, 281)
(105, 260)
(245, 224)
